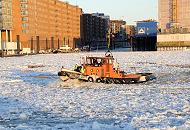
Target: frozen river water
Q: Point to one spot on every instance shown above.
(34, 98)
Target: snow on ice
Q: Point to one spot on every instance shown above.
(34, 98)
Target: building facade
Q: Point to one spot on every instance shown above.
(130, 30)
(174, 13)
(117, 26)
(146, 36)
(146, 28)
(40, 24)
(95, 29)
(6, 24)
(118, 30)
(174, 22)
(172, 42)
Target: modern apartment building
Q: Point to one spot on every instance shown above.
(39, 24)
(174, 13)
(95, 29)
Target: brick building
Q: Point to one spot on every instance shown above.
(130, 30)
(39, 24)
(118, 29)
(116, 25)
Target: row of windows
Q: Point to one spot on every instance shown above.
(24, 25)
(24, 12)
(25, 19)
(6, 4)
(5, 11)
(23, 1)
(6, 18)
(24, 6)
(7, 25)
(25, 31)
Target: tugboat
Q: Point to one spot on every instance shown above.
(103, 70)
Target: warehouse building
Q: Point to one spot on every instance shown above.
(146, 36)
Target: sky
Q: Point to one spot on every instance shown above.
(128, 10)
